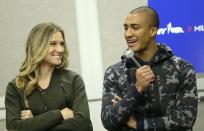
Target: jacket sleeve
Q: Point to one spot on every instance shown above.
(115, 117)
(81, 120)
(41, 122)
(183, 115)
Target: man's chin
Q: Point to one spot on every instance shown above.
(133, 49)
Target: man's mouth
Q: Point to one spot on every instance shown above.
(131, 42)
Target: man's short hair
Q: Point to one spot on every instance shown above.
(151, 12)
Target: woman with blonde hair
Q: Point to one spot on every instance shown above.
(45, 96)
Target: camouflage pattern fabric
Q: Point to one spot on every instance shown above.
(170, 102)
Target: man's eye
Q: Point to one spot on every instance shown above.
(125, 28)
(135, 27)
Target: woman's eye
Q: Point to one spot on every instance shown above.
(61, 43)
(52, 43)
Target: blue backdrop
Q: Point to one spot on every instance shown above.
(182, 28)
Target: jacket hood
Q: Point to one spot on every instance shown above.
(162, 54)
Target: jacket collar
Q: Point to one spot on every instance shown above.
(162, 54)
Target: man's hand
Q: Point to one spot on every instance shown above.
(116, 99)
(25, 114)
(67, 113)
(132, 123)
(144, 76)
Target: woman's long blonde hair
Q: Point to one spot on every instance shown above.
(37, 46)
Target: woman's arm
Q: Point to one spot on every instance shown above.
(41, 122)
(81, 120)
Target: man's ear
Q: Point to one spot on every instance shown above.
(153, 31)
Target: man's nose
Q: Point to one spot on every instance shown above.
(128, 32)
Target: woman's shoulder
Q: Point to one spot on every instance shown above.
(68, 75)
(68, 72)
(12, 86)
(12, 83)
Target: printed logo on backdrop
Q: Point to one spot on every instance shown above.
(170, 29)
(182, 28)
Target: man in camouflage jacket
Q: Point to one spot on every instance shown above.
(159, 96)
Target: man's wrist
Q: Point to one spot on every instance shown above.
(138, 88)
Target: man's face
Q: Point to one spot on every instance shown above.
(138, 32)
